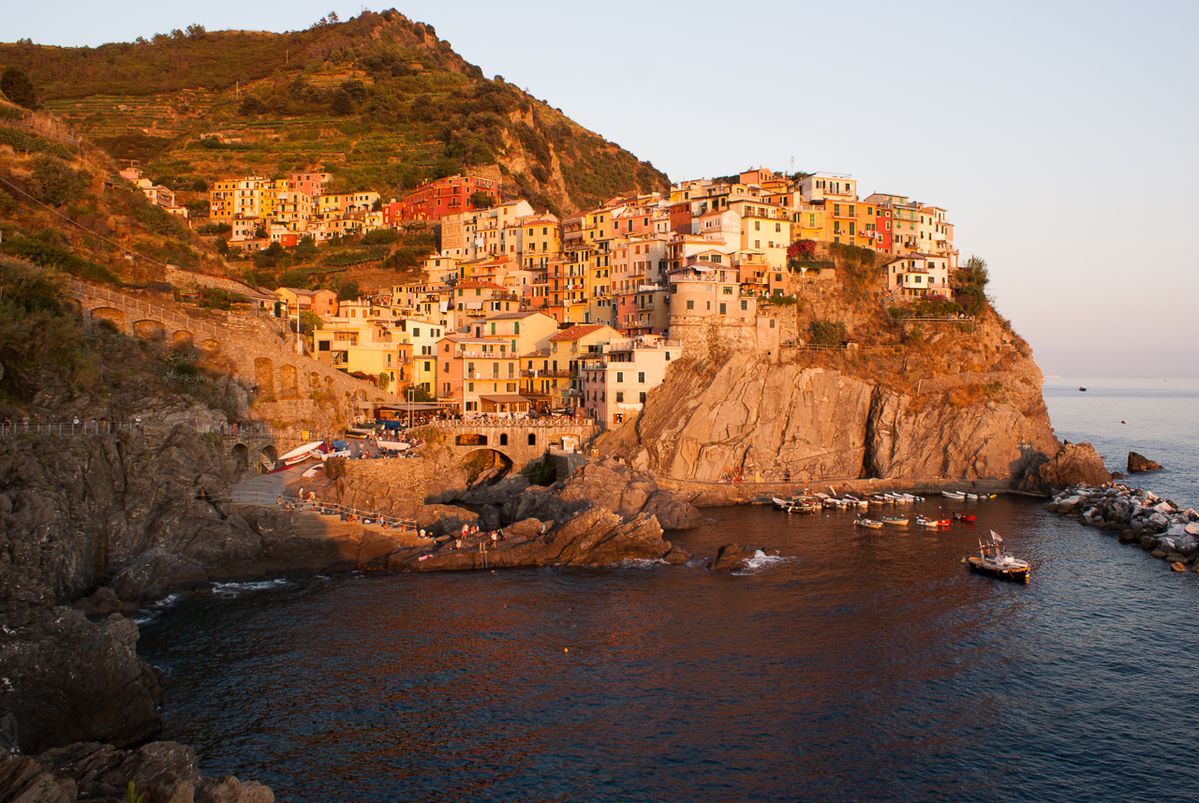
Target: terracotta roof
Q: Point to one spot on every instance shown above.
(577, 331)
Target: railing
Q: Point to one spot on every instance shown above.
(95, 427)
(345, 513)
(550, 422)
(127, 303)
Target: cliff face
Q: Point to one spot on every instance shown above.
(968, 408)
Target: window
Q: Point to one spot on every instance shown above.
(620, 376)
(690, 304)
(744, 305)
(641, 377)
(619, 396)
(641, 397)
(722, 308)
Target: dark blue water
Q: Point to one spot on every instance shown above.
(866, 665)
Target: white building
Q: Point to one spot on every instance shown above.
(615, 385)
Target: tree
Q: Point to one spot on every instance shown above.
(481, 200)
(348, 290)
(17, 87)
(310, 321)
(54, 183)
(251, 106)
(970, 285)
(343, 103)
(383, 381)
(827, 333)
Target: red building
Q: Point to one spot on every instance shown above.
(882, 224)
(433, 200)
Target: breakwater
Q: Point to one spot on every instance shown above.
(1159, 526)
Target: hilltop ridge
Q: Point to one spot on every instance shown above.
(378, 100)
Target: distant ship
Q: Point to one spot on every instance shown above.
(1082, 388)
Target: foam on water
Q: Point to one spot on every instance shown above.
(761, 560)
(234, 589)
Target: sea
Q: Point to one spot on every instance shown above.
(853, 664)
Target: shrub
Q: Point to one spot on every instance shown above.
(17, 87)
(827, 333)
(55, 183)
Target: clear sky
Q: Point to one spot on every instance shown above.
(1061, 136)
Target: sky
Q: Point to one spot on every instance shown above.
(1061, 136)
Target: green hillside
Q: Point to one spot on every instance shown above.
(378, 100)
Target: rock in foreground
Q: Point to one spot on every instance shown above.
(1138, 463)
(1074, 464)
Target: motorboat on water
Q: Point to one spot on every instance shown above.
(992, 561)
(932, 523)
(968, 518)
(896, 521)
(801, 504)
(955, 495)
(873, 524)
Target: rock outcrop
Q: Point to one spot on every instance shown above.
(792, 422)
(163, 772)
(1073, 464)
(1138, 463)
(1158, 525)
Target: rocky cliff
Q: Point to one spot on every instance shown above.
(963, 404)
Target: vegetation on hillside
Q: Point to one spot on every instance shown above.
(49, 360)
(379, 101)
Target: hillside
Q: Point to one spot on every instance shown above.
(952, 397)
(379, 101)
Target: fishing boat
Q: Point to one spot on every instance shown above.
(966, 517)
(873, 524)
(795, 505)
(992, 561)
(860, 504)
(932, 523)
(393, 446)
(879, 499)
(957, 495)
(300, 453)
(896, 521)
(359, 432)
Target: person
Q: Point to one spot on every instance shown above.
(75, 422)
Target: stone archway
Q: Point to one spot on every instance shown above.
(241, 457)
(486, 466)
(182, 339)
(267, 459)
(210, 346)
(149, 329)
(264, 376)
(470, 439)
(288, 388)
(111, 314)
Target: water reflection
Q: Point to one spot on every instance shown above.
(869, 665)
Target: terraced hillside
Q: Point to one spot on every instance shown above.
(379, 101)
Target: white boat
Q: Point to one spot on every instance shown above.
(873, 524)
(300, 453)
(312, 472)
(896, 521)
(339, 453)
(394, 446)
(958, 495)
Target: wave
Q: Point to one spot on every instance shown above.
(154, 609)
(234, 589)
(760, 560)
(640, 563)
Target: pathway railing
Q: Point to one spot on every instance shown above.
(94, 427)
(345, 513)
(132, 304)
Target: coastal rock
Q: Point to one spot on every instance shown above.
(1074, 463)
(72, 679)
(613, 484)
(730, 557)
(789, 421)
(102, 602)
(1138, 463)
(594, 537)
(165, 772)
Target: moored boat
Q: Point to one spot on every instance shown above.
(896, 521)
(958, 495)
(932, 523)
(969, 518)
(300, 453)
(992, 561)
(873, 524)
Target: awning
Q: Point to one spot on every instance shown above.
(505, 399)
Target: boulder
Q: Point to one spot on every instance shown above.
(730, 557)
(1138, 463)
(1178, 566)
(104, 602)
(1074, 464)
(72, 679)
(613, 484)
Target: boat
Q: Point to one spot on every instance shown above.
(879, 499)
(860, 504)
(873, 524)
(327, 455)
(1082, 388)
(966, 517)
(932, 523)
(393, 446)
(957, 495)
(359, 432)
(896, 521)
(300, 453)
(992, 561)
(796, 505)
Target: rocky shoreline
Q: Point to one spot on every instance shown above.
(1159, 526)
